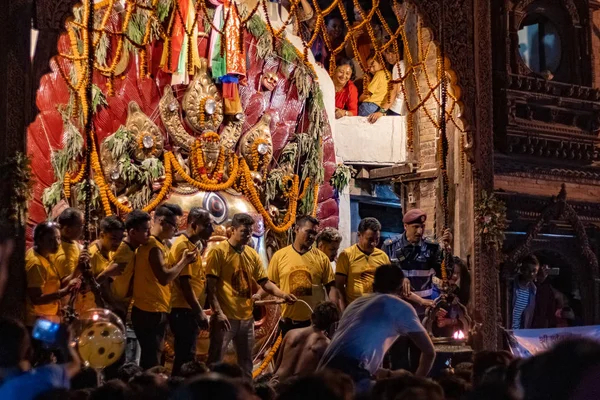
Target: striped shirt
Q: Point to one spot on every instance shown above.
(521, 304)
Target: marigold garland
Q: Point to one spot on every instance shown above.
(315, 200)
(265, 362)
(208, 187)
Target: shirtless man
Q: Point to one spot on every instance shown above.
(303, 348)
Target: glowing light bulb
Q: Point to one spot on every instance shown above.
(458, 335)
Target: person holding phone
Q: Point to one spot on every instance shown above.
(187, 293)
(44, 290)
(151, 284)
(17, 379)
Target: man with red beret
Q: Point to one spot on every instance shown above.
(420, 259)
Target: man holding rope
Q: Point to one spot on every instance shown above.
(296, 268)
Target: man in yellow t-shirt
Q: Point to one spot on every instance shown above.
(231, 268)
(119, 274)
(187, 292)
(43, 282)
(151, 279)
(356, 265)
(67, 259)
(296, 269)
(111, 235)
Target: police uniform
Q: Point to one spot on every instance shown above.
(420, 262)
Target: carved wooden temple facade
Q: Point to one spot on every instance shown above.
(529, 78)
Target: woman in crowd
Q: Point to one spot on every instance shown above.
(346, 94)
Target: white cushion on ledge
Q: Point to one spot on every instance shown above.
(359, 142)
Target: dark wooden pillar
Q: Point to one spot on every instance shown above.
(15, 113)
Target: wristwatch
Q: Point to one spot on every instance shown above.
(383, 111)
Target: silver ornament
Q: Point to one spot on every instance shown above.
(262, 148)
(148, 141)
(210, 106)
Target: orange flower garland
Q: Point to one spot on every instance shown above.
(208, 187)
(252, 195)
(268, 358)
(214, 117)
(315, 200)
(257, 158)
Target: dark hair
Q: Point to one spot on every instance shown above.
(114, 389)
(86, 378)
(464, 290)
(313, 386)
(13, 337)
(561, 372)
(346, 61)
(69, 217)
(111, 223)
(128, 371)
(42, 229)
(193, 368)
(265, 391)
(198, 214)
(168, 210)
(484, 360)
(228, 370)
(324, 315)
(455, 387)
(240, 219)
(136, 218)
(301, 221)
(529, 261)
(388, 278)
(208, 387)
(369, 223)
(329, 235)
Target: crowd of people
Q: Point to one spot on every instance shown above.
(366, 340)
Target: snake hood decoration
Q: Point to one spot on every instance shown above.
(166, 126)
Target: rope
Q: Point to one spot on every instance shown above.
(444, 136)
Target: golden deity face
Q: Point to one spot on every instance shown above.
(269, 81)
(223, 206)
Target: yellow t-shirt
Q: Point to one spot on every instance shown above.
(234, 271)
(296, 273)
(98, 264)
(194, 270)
(378, 87)
(148, 294)
(359, 268)
(41, 274)
(66, 259)
(121, 284)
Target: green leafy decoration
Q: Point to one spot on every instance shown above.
(162, 9)
(490, 218)
(341, 177)
(95, 204)
(52, 195)
(98, 98)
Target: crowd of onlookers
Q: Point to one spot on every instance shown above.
(568, 371)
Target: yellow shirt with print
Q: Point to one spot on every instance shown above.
(359, 268)
(66, 259)
(148, 294)
(378, 87)
(296, 273)
(121, 285)
(194, 270)
(41, 274)
(234, 272)
(98, 264)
